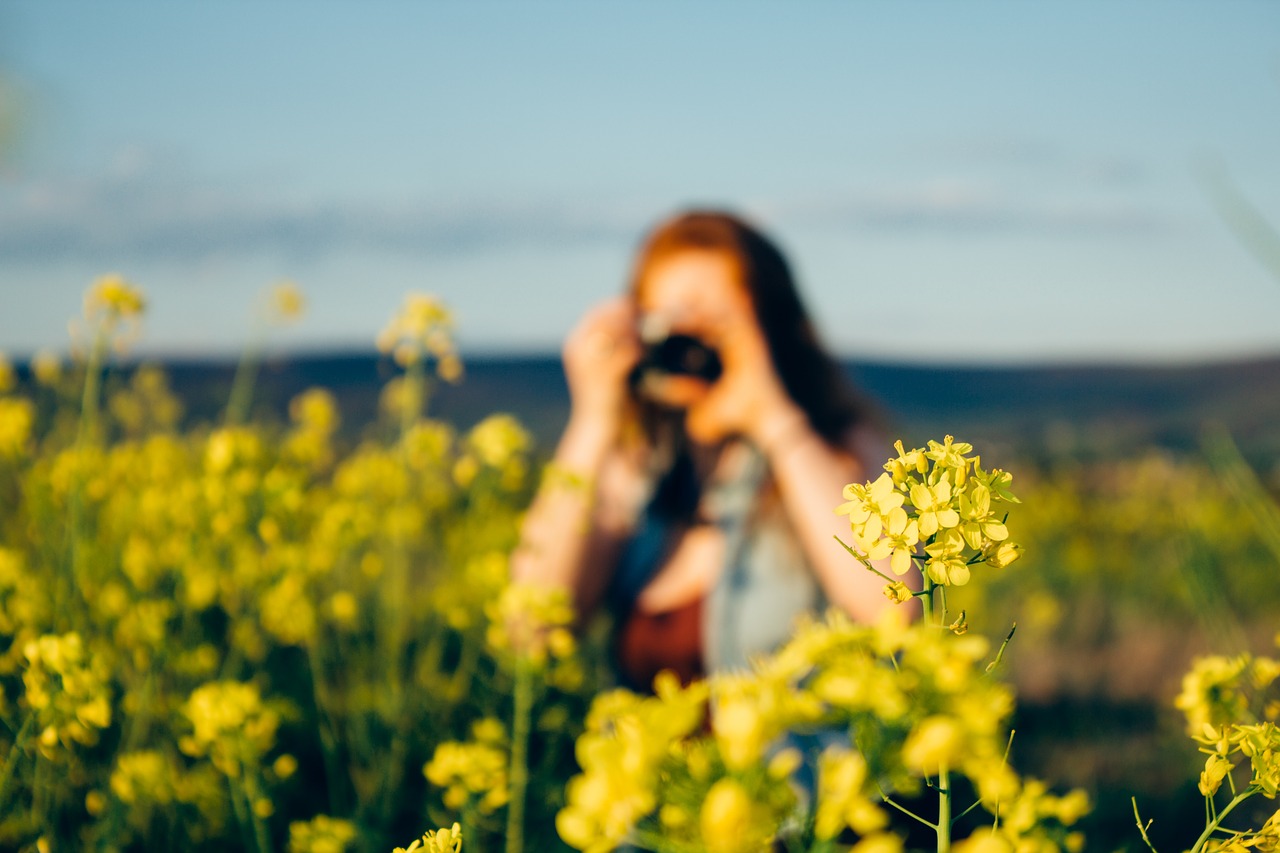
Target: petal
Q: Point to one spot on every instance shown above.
(896, 521)
(928, 524)
(995, 531)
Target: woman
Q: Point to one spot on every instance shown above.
(701, 506)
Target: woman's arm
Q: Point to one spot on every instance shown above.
(811, 475)
(574, 530)
(750, 400)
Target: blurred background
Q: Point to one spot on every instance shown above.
(1045, 228)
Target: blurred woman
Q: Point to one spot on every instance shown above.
(708, 442)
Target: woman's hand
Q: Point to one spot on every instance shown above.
(749, 398)
(599, 355)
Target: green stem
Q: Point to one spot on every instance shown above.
(906, 811)
(67, 581)
(944, 809)
(92, 389)
(519, 773)
(1217, 821)
(862, 559)
(325, 725)
(248, 792)
(1000, 656)
(1142, 827)
(11, 762)
(241, 396)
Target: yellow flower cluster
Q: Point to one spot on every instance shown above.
(623, 754)
(17, 416)
(1232, 708)
(444, 840)
(423, 327)
(237, 585)
(113, 309)
(67, 688)
(144, 776)
(285, 302)
(474, 772)
(937, 500)
(532, 624)
(708, 764)
(147, 406)
(322, 834)
(112, 297)
(499, 444)
(230, 724)
(149, 784)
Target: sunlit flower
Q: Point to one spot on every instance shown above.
(897, 592)
(322, 834)
(866, 506)
(285, 302)
(444, 840)
(934, 505)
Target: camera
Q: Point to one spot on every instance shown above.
(673, 355)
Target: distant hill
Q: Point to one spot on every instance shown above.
(1089, 411)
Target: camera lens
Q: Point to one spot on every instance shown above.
(677, 355)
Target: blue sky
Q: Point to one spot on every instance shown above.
(976, 182)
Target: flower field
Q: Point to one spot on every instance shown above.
(244, 635)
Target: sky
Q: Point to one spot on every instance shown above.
(971, 182)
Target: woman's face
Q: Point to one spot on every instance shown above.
(696, 292)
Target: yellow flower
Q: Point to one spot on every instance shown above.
(946, 564)
(322, 834)
(67, 688)
(111, 297)
(984, 841)
(470, 772)
(17, 416)
(46, 367)
(934, 742)
(315, 410)
(897, 592)
(999, 555)
(843, 799)
(728, 820)
(7, 377)
(145, 777)
(866, 505)
(423, 327)
(979, 523)
(907, 463)
(286, 302)
(438, 841)
(950, 454)
(230, 724)
(934, 506)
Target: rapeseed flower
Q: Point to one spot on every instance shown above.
(867, 505)
(933, 503)
(67, 687)
(322, 834)
(17, 417)
(445, 840)
(230, 724)
(285, 302)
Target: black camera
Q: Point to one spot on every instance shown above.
(676, 355)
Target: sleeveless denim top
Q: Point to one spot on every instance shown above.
(766, 582)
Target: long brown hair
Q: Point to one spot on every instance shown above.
(810, 375)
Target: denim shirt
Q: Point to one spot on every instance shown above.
(765, 585)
